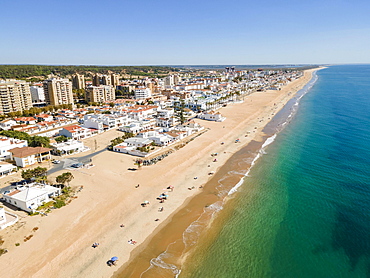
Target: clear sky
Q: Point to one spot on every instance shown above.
(163, 32)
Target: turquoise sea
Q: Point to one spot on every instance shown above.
(303, 210)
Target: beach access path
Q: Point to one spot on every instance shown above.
(62, 244)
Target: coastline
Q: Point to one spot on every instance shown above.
(196, 215)
(63, 243)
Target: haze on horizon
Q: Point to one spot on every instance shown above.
(185, 32)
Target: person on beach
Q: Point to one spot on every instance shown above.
(122, 226)
(137, 186)
(95, 245)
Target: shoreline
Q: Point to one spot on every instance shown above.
(166, 263)
(62, 244)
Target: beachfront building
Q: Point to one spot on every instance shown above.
(58, 91)
(160, 139)
(30, 197)
(137, 126)
(15, 95)
(27, 156)
(167, 122)
(101, 93)
(6, 218)
(131, 145)
(69, 147)
(7, 144)
(7, 169)
(75, 132)
(211, 116)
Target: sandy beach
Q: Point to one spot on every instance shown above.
(62, 244)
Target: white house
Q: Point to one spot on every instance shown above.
(30, 197)
(7, 124)
(69, 147)
(159, 139)
(10, 143)
(6, 169)
(211, 116)
(6, 218)
(44, 118)
(94, 123)
(75, 132)
(27, 156)
(137, 126)
(137, 142)
(26, 120)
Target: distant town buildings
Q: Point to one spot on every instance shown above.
(102, 93)
(115, 79)
(58, 91)
(78, 81)
(142, 93)
(15, 95)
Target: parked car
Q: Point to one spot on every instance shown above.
(77, 165)
(56, 161)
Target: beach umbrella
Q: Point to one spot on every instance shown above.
(113, 259)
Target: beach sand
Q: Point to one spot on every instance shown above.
(61, 246)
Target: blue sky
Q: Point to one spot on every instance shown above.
(163, 32)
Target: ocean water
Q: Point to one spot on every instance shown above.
(304, 209)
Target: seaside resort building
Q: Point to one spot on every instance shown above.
(27, 156)
(58, 91)
(15, 95)
(31, 196)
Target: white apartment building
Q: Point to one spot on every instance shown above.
(37, 94)
(15, 95)
(142, 93)
(58, 91)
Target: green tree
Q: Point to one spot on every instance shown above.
(39, 141)
(64, 178)
(61, 138)
(38, 173)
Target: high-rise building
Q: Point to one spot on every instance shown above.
(115, 79)
(100, 93)
(96, 80)
(15, 95)
(78, 81)
(58, 91)
(106, 80)
(172, 80)
(37, 93)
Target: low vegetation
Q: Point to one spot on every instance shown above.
(33, 141)
(120, 140)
